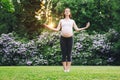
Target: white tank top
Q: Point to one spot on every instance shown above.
(67, 27)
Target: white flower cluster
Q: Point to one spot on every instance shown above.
(101, 43)
(16, 52)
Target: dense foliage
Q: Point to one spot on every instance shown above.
(103, 14)
(45, 50)
(19, 15)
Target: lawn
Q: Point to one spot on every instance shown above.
(57, 73)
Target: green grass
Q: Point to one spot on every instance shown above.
(57, 73)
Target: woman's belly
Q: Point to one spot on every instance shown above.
(67, 33)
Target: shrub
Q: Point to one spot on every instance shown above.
(89, 49)
(48, 45)
(17, 53)
(96, 49)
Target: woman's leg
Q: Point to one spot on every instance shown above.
(69, 52)
(64, 66)
(64, 51)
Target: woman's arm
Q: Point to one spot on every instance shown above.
(79, 29)
(52, 28)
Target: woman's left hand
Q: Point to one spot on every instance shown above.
(88, 24)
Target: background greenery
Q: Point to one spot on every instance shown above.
(24, 41)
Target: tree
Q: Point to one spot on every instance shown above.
(7, 18)
(25, 13)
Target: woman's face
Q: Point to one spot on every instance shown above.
(67, 12)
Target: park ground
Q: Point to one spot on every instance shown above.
(57, 73)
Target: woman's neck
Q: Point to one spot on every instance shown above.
(67, 17)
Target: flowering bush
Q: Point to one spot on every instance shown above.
(91, 49)
(48, 45)
(114, 55)
(16, 53)
(96, 49)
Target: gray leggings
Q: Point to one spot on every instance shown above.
(66, 48)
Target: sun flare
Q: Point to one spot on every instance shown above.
(51, 24)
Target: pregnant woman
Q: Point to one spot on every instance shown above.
(66, 26)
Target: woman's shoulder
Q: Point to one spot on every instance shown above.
(61, 19)
(72, 20)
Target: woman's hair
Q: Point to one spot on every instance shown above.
(64, 13)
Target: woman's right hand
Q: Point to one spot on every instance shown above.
(44, 25)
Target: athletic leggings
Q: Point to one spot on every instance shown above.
(66, 48)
